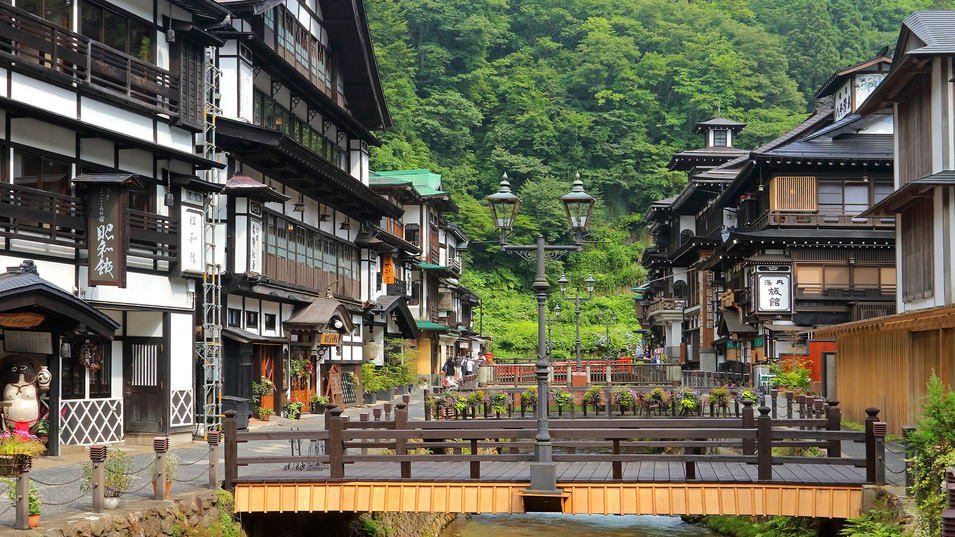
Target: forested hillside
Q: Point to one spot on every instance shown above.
(541, 89)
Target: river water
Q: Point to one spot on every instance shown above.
(559, 525)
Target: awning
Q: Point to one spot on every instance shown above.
(244, 336)
(397, 305)
(22, 290)
(320, 315)
(432, 266)
(243, 185)
(787, 328)
(428, 325)
(732, 324)
(909, 192)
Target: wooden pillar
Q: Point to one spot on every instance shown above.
(835, 424)
(160, 447)
(23, 496)
(97, 458)
(231, 470)
(401, 444)
(617, 464)
(749, 445)
(336, 445)
(870, 462)
(764, 439)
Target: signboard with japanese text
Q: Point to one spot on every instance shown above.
(107, 235)
(329, 339)
(34, 342)
(388, 269)
(191, 238)
(773, 292)
(255, 246)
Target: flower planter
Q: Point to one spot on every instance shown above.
(168, 486)
(111, 502)
(370, 398)
(318, 409)
(401, 390)
(12, 465)
(33, 520)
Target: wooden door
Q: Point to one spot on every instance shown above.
(144, 371)
(270, 367)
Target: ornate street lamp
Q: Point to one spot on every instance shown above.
(610, 321)
(590, 281)
(578, 206)
(550, 341)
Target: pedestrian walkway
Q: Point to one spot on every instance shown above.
(58, 479)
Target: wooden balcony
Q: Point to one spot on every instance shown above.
(36, 216)
(867, 293)
(455, 265)
(62, 57)
(806, 219)
(281, 269)
(666, 304)
(399, 288)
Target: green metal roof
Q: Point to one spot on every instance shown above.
(428, 325)
(387, 181)
(425, 182)
(432, 266)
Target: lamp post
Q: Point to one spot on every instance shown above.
(590, 281)
(549, 320)
(611, 320)
(578, 205)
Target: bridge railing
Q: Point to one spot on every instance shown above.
(471, 442)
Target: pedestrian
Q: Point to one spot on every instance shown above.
(469, 366)
(448, 368)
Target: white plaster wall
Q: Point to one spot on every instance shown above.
(688, 222)
(4, 76)
(245, 91)
(938, 90)
(116, 119)
(116, 370)
(41, 135)
(97, 150)
(59, 274)
(145, 324)
(181, 351)
(136, 161)
(273, 309)
(35, 92)
(241, 229)
(229, 83)
(141, 289)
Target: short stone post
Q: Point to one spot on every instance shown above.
(212, 437)
(97, 459)
(880, 429)
(388, 406)
(23, 495)
(773, 394)
(427, 404)
(160, 446)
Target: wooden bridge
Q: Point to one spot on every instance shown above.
(604, 466)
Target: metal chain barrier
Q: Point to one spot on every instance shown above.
(143, 469)
(146, 484)
(5, 510)
(204, 472)
(204, 458)
(58, 504)
(890, 450)
(56, 484)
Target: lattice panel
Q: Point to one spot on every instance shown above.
(92, 421)
(181, 408)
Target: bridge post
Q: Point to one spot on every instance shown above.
(834, 413)
(773, 394)
(231, 470)
(870, 462)
(336, 446)
(363, 417)
(22, 492)
(749, 445)
(97, 459)
(880, 429)
(160, 447)
(401, 444)
(617, 464)
(427, 404)
(764, 439)
(789, 404)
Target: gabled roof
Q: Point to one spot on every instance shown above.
(719, 123)
(425, 182)
(936, 29)
(878, 64)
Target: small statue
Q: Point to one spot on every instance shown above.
(25, 380)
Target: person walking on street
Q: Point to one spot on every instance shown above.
(448, 368)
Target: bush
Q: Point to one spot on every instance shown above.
(933, 446)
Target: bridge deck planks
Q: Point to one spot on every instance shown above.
(574, 472)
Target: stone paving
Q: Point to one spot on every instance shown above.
(58, 479)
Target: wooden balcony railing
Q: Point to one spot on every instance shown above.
(33, 44)
(663, 304)
(282, 269)
(399, 288)
(455, 265)
(38, 216)
(819, 220)
(846, 292)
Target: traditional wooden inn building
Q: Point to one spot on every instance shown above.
(99, 175)
(886, 362)
(441, 306)
(773, 245)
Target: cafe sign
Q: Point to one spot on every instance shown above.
(107, 234)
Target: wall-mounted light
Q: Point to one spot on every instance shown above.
(300, 206)
(291, 226)
(324, 216)
(65, 350)
(338, 324)
(169, 199)
(345, 225)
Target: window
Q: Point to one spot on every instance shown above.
(100, 379)
(839, 197)
(235, 317)
(59, 12)
(719, 137)
(680, 290)
(270, 321)
(117, 31)
(918, 277)
(42, 173)
(792, 194)
(413, 234)
(75, 378)
(252, 320)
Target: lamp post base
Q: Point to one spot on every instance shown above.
(543, 478)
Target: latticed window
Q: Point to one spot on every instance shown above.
(792, 194)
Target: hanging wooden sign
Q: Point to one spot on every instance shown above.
(21, 320)
(388, 269)
(329, 340)
(107, 235)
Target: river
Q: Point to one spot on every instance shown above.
(559, 525)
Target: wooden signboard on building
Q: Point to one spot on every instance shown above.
(329, 339)
(107, 234)
(388, 269)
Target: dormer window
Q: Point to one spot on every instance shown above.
(720, 137)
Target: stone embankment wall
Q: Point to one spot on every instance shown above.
(146, 518)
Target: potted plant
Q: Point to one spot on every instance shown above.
(15, 448)
(318, 403)
(562, 398)
(293, 409)
(117, 476)
(172, 471)
(43, 431)
(33, 501)
(370, 383)
(263, 413)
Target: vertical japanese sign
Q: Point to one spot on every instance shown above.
(774, 292)
(107, 259)
(255, 246)
(388, 269)
(191, 238)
